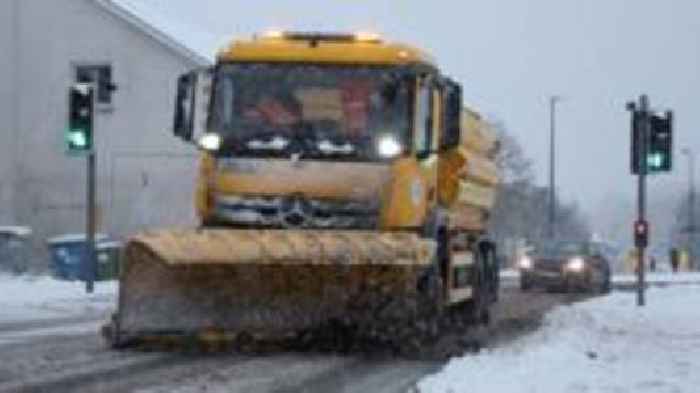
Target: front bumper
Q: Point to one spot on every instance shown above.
(562, 279)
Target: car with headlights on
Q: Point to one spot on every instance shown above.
(566, 265)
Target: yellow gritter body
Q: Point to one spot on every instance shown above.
(289, 242)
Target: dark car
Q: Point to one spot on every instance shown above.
(566, 265)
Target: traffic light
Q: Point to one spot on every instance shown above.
(79, 135)
(659, 157)
(641, 233)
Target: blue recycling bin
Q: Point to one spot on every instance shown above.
(68, 253)
(15, 249)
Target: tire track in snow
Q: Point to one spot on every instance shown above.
(32, 331)
(73, 379)
(46, 323)
(363, 375)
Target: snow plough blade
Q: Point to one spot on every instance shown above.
(264, 283)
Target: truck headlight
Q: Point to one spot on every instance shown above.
(525, 263)
(210, 141)
(388, 147)
(576, 264)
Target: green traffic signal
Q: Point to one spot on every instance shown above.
(79, 135)
(659, 155)
(656, 161)
(77, 139)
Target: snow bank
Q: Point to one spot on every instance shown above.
(659, 278)
(651, 278)
(510, 273)
(31, 298)
(603, 345)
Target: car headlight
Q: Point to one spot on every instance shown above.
(210, 141)
(389, 147)
(576, 264)
(525, 263)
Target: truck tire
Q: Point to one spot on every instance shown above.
(432, 284)
(491, 271)
(478, 306)
(607, 285)
(435, 228)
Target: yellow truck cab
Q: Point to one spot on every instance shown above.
(336, 131)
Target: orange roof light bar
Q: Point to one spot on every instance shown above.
(326, 48)
(318, 37)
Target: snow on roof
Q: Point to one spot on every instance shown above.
(16, 230)
(192, 43)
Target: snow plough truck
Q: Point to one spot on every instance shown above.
(341, 181)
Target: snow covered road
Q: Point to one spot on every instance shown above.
(50, 343)
(605, 344)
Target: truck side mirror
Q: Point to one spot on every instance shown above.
(192, 104)
(184, 107)
(453, 116)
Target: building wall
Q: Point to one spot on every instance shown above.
(145, 175)
(7, 118)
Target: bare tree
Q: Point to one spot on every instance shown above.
(521, 205)
(511, 159)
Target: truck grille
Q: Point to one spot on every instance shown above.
(297, 212)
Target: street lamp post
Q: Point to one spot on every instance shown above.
(691, 188)
(691, 204)
(552, 193)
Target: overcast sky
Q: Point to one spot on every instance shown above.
(511, 55)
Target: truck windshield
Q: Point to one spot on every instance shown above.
(334, 112)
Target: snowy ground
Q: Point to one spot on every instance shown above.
(29, 298)
(510, 273)
(623, 278)
(659, 278)
(603, 345)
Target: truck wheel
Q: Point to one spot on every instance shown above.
(493, 278)
(478, 306)
(606, 286)
(433, 282)
(431, 286)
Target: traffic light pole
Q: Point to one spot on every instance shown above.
(641, 193)
(90, 224)
(552, 166)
